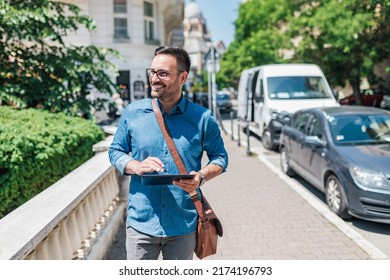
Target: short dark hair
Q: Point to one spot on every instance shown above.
(182, 58)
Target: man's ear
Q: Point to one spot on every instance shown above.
(184, 77)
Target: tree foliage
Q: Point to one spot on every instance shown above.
(38, 69)
(346, 38)
(258, 39)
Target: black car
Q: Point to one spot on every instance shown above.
(344, 152)
(224, 102)
(201, 98)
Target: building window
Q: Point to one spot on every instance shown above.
(120, 7)
(120, 20)
(194, 27)
(150, 23)
(149, 30)
(120, 28)
(148, 9)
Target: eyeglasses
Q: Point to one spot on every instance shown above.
(161, 74)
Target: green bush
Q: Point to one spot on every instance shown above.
(37, 148)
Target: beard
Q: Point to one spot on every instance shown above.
(165, 92)
(158, 90)
(154, 94)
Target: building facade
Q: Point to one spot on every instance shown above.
(134, 28)
(197, 42)
(196, 35)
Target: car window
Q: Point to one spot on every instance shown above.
(378, 127)
(315, 127)
(300, 121)
(222, 96)
(360, 129)
(297, 88)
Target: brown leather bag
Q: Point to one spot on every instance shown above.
(209, 226)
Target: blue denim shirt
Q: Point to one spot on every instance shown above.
(165, 210)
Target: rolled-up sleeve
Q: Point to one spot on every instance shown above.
(214, 145)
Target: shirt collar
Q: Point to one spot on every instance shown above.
(179, 107)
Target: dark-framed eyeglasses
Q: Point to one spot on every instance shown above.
(161, 74)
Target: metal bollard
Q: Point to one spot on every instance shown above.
(239, 132)
(231, 124)
(248, 149)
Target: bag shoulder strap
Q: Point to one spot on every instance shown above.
(176, 156)
(168, 138)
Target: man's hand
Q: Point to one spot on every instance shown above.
(148, 165)
(189, 185)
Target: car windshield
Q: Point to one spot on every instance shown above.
(360, 129)
(222, 96)
(297, 88)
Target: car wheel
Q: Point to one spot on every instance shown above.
(336, 198)
(285, 162)
(266, 139)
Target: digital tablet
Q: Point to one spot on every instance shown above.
(163, 179)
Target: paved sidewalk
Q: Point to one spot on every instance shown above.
(265, 218)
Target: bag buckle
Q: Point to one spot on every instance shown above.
(194, 195)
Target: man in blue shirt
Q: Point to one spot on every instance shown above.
(163, 218)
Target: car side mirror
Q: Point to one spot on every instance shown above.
(314, 141)
(259, 99)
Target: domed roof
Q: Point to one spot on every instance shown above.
(192, 10)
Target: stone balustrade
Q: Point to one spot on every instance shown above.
(75, 218)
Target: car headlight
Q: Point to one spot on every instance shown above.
(281, 116)
(369, 179)
(274, 114)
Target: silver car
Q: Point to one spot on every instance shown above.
(385, 104)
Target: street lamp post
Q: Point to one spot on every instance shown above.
(212, 67)
(212, 63)
(209, 89)
(213, 84)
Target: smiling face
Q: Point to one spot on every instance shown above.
(167, 89)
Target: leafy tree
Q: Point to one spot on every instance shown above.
(346, 38)
(258, 39)
(201, 83)
(37, 68)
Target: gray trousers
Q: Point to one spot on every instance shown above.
(141, 246)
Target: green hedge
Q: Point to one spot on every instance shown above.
(37, 148)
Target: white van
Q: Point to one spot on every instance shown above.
(268, 93)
